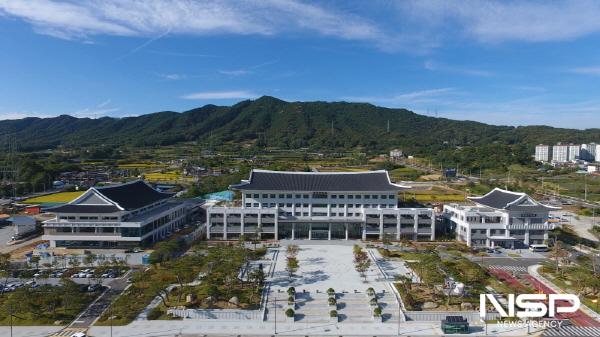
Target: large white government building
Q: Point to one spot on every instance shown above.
(500, 218)
(319, 205)
(119, 216)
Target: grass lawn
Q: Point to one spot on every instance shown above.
(55, 197)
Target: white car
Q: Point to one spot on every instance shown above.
(79, 334)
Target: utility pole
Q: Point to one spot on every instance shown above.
(275, 311)
(585, 187)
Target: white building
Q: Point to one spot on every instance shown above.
(560, 153)
(396, 154)
(314, 205)
(588, 152)
(501, 218)
(574, 152)
(127, 215)
(543, 153)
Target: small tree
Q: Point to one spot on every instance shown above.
(362, 263)
(332, 301)
(291, 300)
(291, 291)
(292, 266)
(292, 250)
(290, 312)
(377, 312)
(333, 313)
(330, 292)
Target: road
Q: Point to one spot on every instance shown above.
(89, 315)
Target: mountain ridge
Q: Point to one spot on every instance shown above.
(269, 121)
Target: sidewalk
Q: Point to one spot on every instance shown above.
(533, 271)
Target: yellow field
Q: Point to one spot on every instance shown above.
(56, 197)
(166, 176)
(140, 166)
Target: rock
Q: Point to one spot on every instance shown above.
(429, 305)
(209, 300)
(190, 298)
(466, 306)
(58, 322)
(234, 301)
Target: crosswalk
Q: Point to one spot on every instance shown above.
(68, 332)
(517, 269)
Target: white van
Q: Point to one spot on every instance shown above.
(538, 248)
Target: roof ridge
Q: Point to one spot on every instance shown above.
(316, 173)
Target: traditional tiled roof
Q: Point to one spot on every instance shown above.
(111, 199)
(262, 180)
(133, 195)
(68, 208)
(503, 199)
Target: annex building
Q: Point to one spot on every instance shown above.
(319, 205)
(127, 215)
(501, 218)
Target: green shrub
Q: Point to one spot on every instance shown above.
(291, 291)
(333, 313)
(377, 312)
(290, 312)
(291, 300)
(332, 301)
(155, 313)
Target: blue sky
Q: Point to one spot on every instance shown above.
(500, 62)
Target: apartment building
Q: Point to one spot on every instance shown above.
(560, 153)
(315, 205)
(574, 152)
(543, 153)
(500, 218)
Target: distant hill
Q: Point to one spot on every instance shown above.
(276, 123)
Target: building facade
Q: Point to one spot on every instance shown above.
(500, 219)
(121, 216)
(560, 153)
(543, 153)
(314, 205)
(574, 152)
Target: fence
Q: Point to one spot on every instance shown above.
(436, 316)
(220, 314)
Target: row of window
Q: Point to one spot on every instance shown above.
(88, 218)
(321, 195)
(273, 205)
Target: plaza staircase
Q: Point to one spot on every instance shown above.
(312, 308)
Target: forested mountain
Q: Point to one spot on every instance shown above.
(276, 123)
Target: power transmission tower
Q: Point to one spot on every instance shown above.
(9, 164)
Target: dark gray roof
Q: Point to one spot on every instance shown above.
(68, 208)
(312, 181)
(497, 198)
(133, 195)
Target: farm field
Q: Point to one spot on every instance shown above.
(55, 197)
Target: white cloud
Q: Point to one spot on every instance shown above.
(236, 72)
(173, 77)
(150, 18)
(99, 110)
(436, 66)
(499, 21)
(208, 95)
(586, 71)
(407, 98)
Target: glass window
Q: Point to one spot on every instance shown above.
(305, 196)
(384, 196)
(248, 195)
(375, 196)
(342, 196)
(265, 195)
(289, 205)
(272, 196)
(350, 196)
(281, 204)
(367, 197)
(248, 204)
(255, 196)
(333, 196)
(297, 205)
(289, 196)
(298, 196)
(357, 205)
(304, 205)
(281, 196)
(255, 204)
(264, 204)
(358, 196)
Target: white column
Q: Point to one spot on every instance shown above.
(208, 225)
(293, 231)
(432, 225)
(225, 226)
(242, 224)
(381, 226)
(398, 218)
(346, 229)
(329, 232)
(276, 227)
(416, 226)
(310, 231)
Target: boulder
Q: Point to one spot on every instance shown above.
(466, 306)
(190, 298)
(429, 305)
(209, 300)
(234, 301)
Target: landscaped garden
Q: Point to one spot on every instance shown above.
(210, 278)
(45, 305)
(440, 274)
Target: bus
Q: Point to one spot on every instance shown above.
(538, 248)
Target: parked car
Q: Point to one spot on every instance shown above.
(93, 287)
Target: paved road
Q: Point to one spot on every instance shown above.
(89, 316)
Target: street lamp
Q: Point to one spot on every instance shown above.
(595, 301)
